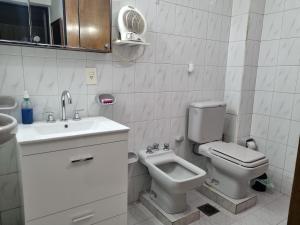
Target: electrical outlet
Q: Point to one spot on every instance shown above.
(91, 76)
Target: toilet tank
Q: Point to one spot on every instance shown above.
(206, 121)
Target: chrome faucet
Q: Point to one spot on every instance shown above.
(63, 104)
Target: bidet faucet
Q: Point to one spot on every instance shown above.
(63, 103)
(149, 149)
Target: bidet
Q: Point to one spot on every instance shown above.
(172, 178)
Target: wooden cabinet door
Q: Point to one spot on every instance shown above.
(94, 17)
(72, 23)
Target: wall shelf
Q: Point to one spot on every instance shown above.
(130, 43)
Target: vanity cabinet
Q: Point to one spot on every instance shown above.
(79, 180)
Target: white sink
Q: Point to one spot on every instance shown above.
(8, 126)
(43, 131)
(63, 127)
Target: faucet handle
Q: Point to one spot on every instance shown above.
(76, 116)
(50, 117)
(166, 146)
(149, 149)
(155, 146)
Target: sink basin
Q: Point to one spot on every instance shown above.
(8, 126)
(63, 127)
(43, 131)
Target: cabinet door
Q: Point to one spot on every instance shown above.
(94, 17)
(110, 211)
(57, 181)
(72, 23)
(118, 220)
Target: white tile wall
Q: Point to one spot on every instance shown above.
(276, 107)
(12, 217)
(10, 192)
(240, 7)
(8, 158)
(291, 4)
(255, 26)
(9, 185)
(272, 26)
(243, 52)
(268, 53)
(238, 29)
(273, 6)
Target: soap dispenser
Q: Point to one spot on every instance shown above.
(27, 110)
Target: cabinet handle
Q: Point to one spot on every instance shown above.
(82, 218)
(88, 158)
(82, 159)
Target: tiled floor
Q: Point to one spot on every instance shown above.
(271, 209)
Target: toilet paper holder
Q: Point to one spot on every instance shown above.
(251, 143)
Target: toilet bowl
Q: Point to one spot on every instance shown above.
(172, 177)
(231, 167)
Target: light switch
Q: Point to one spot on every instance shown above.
(91, 76)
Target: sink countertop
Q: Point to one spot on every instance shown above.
(42, 131)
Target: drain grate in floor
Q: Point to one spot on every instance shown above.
(208, 209)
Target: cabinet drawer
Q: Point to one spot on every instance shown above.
(118, 220)
(107, 211)
(57, 181)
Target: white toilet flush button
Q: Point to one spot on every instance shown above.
(191, 67)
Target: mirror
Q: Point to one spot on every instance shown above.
(14, 20)
(43, 14)
(68, 24)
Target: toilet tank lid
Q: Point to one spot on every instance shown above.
(207, 104)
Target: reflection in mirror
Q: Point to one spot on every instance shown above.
(57, 22)
(14, 20)
(47, 22)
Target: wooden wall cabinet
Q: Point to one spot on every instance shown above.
(81, 25)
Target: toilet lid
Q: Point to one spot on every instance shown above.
(236, 152)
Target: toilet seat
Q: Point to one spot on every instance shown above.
(234, 153)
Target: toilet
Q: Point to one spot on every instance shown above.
(172, 178)
(230, 166)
